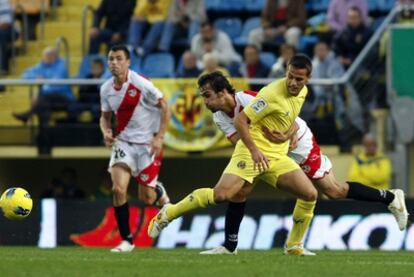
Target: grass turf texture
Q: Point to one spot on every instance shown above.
(76, 261)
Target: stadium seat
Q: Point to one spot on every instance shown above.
(372, 5)
(254, 5)
(319, 5)
(250, 24)
(211, 5)
(268, 58)
(231, 5)
(232, 26)
(385, 5)
(306, 43)
(136, 62)
(85, 66)
(158, 65)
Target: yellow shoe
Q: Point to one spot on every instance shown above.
(297, 250)
(158, 222)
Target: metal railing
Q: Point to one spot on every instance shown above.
(85, 12)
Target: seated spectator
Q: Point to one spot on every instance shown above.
(188, 69)
(64, 186)
(286, 19)
(352, 39)
(89, 94)
(278, 70)
(252, 66)
(211, 64)
(149, 17)
(6, 28)
(371, 167)
(117, 18)
(215, 41)
(51, 97)
(183, 22)
(338, 13)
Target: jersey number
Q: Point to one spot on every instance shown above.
(119, 153)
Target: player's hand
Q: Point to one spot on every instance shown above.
(108, 138)
(293, 142)
(261, 162)
(274, 136)
(156, 146)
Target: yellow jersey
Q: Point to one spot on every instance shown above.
(153, 12)
(275, 109)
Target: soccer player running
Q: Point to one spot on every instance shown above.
(141, 115)
(221, 98)
(275, 107)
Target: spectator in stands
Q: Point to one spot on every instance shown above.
(188, 68)
(352, 39)
(371, 167)
(105, 187)
(280, 18)
(212, 40)
(6, 30)
(184, 21)
(117, 18)
(211, 64)
(278, 70)
(252, 66)
(64, 186)
(51, 97)
(89, 94)
(149, 17)
(337, 16)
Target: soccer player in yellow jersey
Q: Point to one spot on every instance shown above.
(275, 107)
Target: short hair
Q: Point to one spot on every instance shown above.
(254, 46)
(98, 61)
(217, 82)
(301, 61)
(121, 47)
(206, 23)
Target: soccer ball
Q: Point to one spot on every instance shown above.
(16, 203)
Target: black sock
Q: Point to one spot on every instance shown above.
(234, 216)
(358, 191)
(122, 218)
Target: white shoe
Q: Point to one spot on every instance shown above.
(124, 246)
(297, 250)
(164, 199)
(220, 250)
(158, 222)
(398, 209)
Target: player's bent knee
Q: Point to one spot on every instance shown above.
(118, 190)
(310, 195)
(221, 195)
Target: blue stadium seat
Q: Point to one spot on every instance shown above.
(158, 65)
(268, 58)
(319, 5)
(230, 5)
(306, 43)
(136, 62)
(250, 24)
(372, 5)
(254, 5)
(85, 66)
(385, 5)
(211, 5)
(230, 25)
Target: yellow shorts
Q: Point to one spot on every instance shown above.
(241, 164)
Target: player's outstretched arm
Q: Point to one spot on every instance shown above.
(241, 123)
(106, 128)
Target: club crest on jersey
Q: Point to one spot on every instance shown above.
(241, 164)
(144, 177)
(306, 168)
(132, 92)
(259, 105)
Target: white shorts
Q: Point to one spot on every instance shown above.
(144, 166)
(309, 157)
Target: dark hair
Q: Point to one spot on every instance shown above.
(206, 23)
(254, 46)
(356, 9)
(121, 47)
(98, 61)
(217, 81)
(301, 61)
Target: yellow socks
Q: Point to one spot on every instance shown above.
(302, 216)
(200, 198)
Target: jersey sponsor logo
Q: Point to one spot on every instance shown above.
(241, 164)
(132, 92)
(259, 105)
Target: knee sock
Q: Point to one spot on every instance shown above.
(200, 198)
(358, 191)
(234, 216)
(302, 216)
(122, 218)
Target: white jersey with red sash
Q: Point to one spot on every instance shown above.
(307, 154)
(135, 105)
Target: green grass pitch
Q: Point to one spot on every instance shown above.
(76, 261)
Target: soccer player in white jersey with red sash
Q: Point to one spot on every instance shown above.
(141, 115)
(220, 97)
